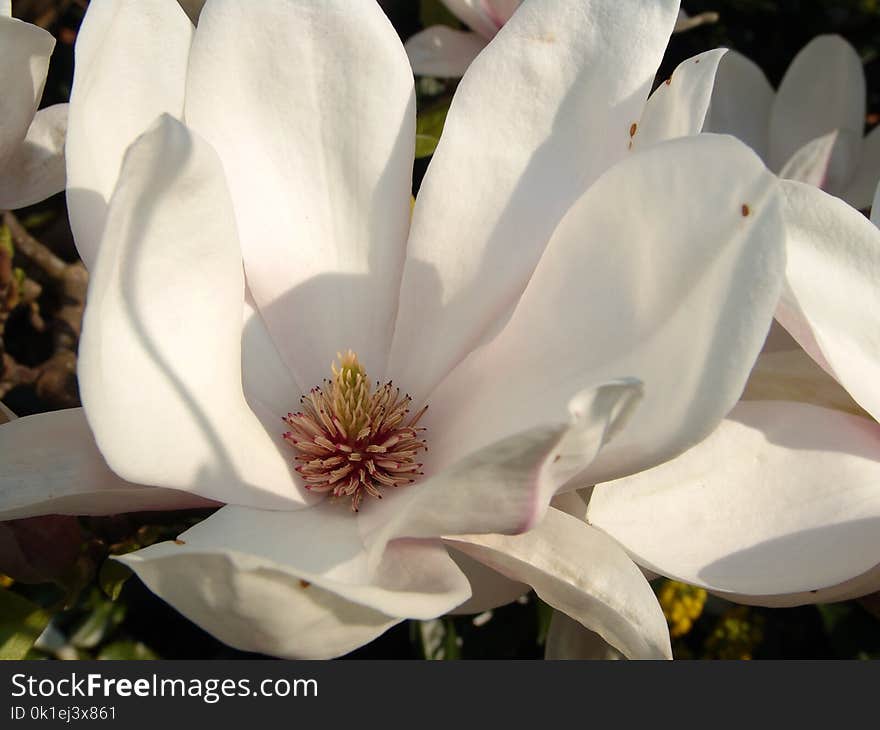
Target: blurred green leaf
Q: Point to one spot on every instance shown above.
(112, 578)
(429, 127)
(6, 240)
(434, 12)
(102, 619)
(545, 614)
(21, 623)
(127, 649)
(451, 643)
(852, 632)
(36, 220)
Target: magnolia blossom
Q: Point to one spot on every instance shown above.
(822, 93)
(444, 51)
(31, 141)
(801, 452)
(574, 299)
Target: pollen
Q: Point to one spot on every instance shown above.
(354, 439)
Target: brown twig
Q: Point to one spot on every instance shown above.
(29, 246)
(54, 381)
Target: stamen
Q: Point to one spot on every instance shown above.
(353, 438)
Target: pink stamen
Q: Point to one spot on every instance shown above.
(353, 440)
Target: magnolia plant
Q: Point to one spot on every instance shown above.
(555, 304)
(822, 93)
(31, 141)
(385, 402)
(446, 52)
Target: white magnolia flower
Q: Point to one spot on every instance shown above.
(823, 92)
(31, 141)
(445, 52)
(801, 453)
(573, 307)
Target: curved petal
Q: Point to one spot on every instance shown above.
(823, 90)
(811, 164)
(264, 375)
(321, 177)
(26, 52)
(831, 282)
(52, 466)
(860, 191)
(678, 107)
(160, 354)
(6, 8)
(664, 271)
(261, 580)
(540, 114)
(782, 498)
(36, 170)
(442, 51)
(473, 14)
(569, 639)
(489, 589)
(504, 487)
(259, 611)
(585, 574)
(862, 585)
(500, 11)
(131, 58)
(741, 102)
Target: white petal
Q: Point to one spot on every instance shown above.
(741, 102)
(26, 52)
(860, 191)
(160, 354)
(678, 107)
(442, 51)
(781, 498)
(831, 283)
(473, 14)
(52, 466)
(811, 163)
(862, 585)
(656, 274)
(823, 90)
(319, 163)
(36, 170)
(540, 114)
(500, 11)
(296, 584)
(506, 486)
(489, 589)
(6, 8)
(131, 58)
(568, 639)
(265, 377)
(585, 574)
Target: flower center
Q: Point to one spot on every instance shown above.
(352, 440)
